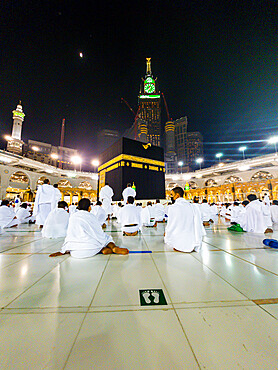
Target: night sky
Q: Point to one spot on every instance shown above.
(216, 62)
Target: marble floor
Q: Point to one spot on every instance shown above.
(152, 309)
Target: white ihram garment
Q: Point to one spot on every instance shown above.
(100, 214)
(146, 219)
(236, 214)
(184, 230)
(267, 213)
(159, 212)
(56, 224)
(45, 201)
(105, 195)
(7, 217)
(274, 213)
(23, 215)
(253, 219)
(128, 192)
(58, 195)
(130, 215)
(85, 237)
(214, 210)
(205, 211)
(72, 209)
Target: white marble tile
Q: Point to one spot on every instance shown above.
(265, 258)
(187, 280)
(133, 340)
(37, 341)
(232, 337)
(272, 309)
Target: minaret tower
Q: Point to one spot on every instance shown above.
(15, 143)
(149, 107)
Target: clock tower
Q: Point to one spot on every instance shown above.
(150, 106)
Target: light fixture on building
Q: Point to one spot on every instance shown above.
(95, 162)
(242, 149)
(274, 140)
(54, 156)
(200, 161)
(220, 164)
(76, 159)
(35, 148)
(244, 168)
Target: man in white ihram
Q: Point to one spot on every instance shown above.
(85, 237)
(184, 230)
(253, 219)
(105, 195)
(22, 214)
(130, 218)
(159, 211)
(56, 223)
(7, 215)
(128, 192)
(45, 201)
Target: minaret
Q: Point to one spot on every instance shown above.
(15, 143)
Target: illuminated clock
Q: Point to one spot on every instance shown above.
(149, 88)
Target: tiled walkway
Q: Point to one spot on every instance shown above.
(221, 312)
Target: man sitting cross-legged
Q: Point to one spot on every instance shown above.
(130, 218)
(85, 237)
(56, 223)
(7, 215)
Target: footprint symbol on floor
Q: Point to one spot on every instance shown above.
(156, 297)
(146, 297)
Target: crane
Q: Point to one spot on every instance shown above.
(62, 141)
(135, 116)
(166, 107)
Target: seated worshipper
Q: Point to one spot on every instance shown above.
(214, 209)
(130, 218)
(267, 213)
(253, 219)
(7, 215)
(128, 191)
(206, 212)
(72, 208)
(274, 211)
(236, 214)
(105, 195)
(85, 237)
(159, 211)
(23, 214)
(100, 214)
(184, 230)
(117, 213)
(146, 216)
(45, 201)
(56, 223)
(17, 202)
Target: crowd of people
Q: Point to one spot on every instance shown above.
(82, 224)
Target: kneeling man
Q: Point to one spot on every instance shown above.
(85, 237)
(184, 230)
(130, 218)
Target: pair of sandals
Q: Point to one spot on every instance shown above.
(272, 243)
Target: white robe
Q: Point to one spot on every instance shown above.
(23, 215)
(7, 217)
(130, 215)
(236, 214)
(17, 203)
(253, 220)
(205, 211)
(214, 210)
(85, 237)
(184, 230)
(56, 224)
(267, 213)
(146, 219)
(100, 214)
(72, 209)
(274, 213)
(105, 195)
(58, 195)
(128, 192)
(158, 212)
(45, 201)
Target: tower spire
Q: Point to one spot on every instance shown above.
(149, 71)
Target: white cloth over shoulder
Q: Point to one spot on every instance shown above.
(146, 217)
(205, 211)
(128, 192)
(45, 201)
(100, 214)
(253, 219)
(184, 230)
(85, 237)
(274, 213)
(72, 209)
(23, 215)
(130, 215)
(56, 224)
(58, 195)
(105, 195)
(7, 217)
(158, 212)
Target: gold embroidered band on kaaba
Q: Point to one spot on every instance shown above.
(138, 162)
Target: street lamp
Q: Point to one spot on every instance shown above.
(54, 156)
(219, 155)
(274, 140)
(180, 164)
(199, 161)
(76, 160)
(242, 149)
(95, 163)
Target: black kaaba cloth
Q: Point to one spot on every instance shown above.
(131, 161)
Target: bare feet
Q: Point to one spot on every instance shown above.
(118, 250)
(104, 226)
(106, 250)
(57, 254)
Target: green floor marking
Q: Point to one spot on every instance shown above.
(152, 297)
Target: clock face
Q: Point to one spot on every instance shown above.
(149, 88)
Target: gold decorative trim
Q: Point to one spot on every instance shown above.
(130, 158)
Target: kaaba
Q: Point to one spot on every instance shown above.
(131, 161)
